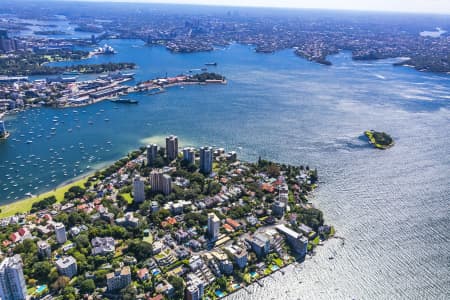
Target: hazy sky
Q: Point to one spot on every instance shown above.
(425, 6)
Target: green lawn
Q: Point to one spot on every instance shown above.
(148, 239)
(278, 262)
(24, 205)
(247, 278)
(316, 241)
(127, 197)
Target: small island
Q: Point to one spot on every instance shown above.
(380, 140)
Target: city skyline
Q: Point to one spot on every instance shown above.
(414, 6)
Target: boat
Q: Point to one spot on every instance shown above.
(4, 134)
(156, 91)
(211, 64)
(127, 75)
(125, 101)
(72, 73)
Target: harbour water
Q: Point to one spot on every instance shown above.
(392, 207)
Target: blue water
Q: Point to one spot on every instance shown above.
(390, 206)
(155, 272)
(40, 288)
(59, 25)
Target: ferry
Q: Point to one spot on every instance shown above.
(125, 101)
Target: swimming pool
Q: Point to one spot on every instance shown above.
(155, 272)
(219, 293)
(40, 288)
(274, 268)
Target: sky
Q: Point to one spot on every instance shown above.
(415, 6)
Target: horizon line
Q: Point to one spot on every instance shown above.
(175, 3)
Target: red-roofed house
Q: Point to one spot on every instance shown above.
(228, 228)
(22, 231)
(14, 237)
(171, 221)
(233, 223)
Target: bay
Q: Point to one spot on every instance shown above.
(390, 206)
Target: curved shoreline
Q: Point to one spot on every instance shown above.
(24, 205)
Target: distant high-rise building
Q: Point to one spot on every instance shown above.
(206, 160)
(7, 44)
(138, 189)
(213, 226)
(171, 147)
(189, 155)
(160, 182)
(67, 266)
(166, 184)
(44, 249)
(152, 153)
(12, 281)
(60, 230)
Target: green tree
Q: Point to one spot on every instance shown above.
(40, 270)
(87, 286)
(128, 293)
(60, 283)
(74, 192)
(273, 170)
(82, 241)
(178, 286)
(69, 293)
(222, 282)
(139, 249)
